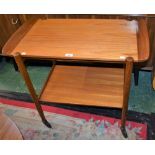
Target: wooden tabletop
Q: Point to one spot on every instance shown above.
(82, 39)
(8, 129)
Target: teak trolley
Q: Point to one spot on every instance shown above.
(82, 40)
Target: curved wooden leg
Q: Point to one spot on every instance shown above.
(123, 120)
(126, 91)
(30, 87)
(124, 133)
(41, 113)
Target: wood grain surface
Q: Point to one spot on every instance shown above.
(85, 86)
(17, 36)
(92, 39)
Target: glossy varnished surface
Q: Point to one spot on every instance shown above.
(8, 129)
(93, 39)
(17, 37)
(86, 86)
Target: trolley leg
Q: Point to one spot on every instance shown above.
(126, 91)
(30, 87)
(123, 120)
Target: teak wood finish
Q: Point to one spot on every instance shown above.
(95, 86)
(92, 40)
(30, 87)
(107, 87)
(126, 89)
(81, 39)
(17, 36)
(8, 25)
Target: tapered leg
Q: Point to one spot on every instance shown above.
(41, 113)
(123, 120)
(30, 87)
(126, 91)
(136, 76)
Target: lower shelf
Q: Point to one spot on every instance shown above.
(82, 85)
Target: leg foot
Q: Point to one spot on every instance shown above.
(47, 123)
(123, 130)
